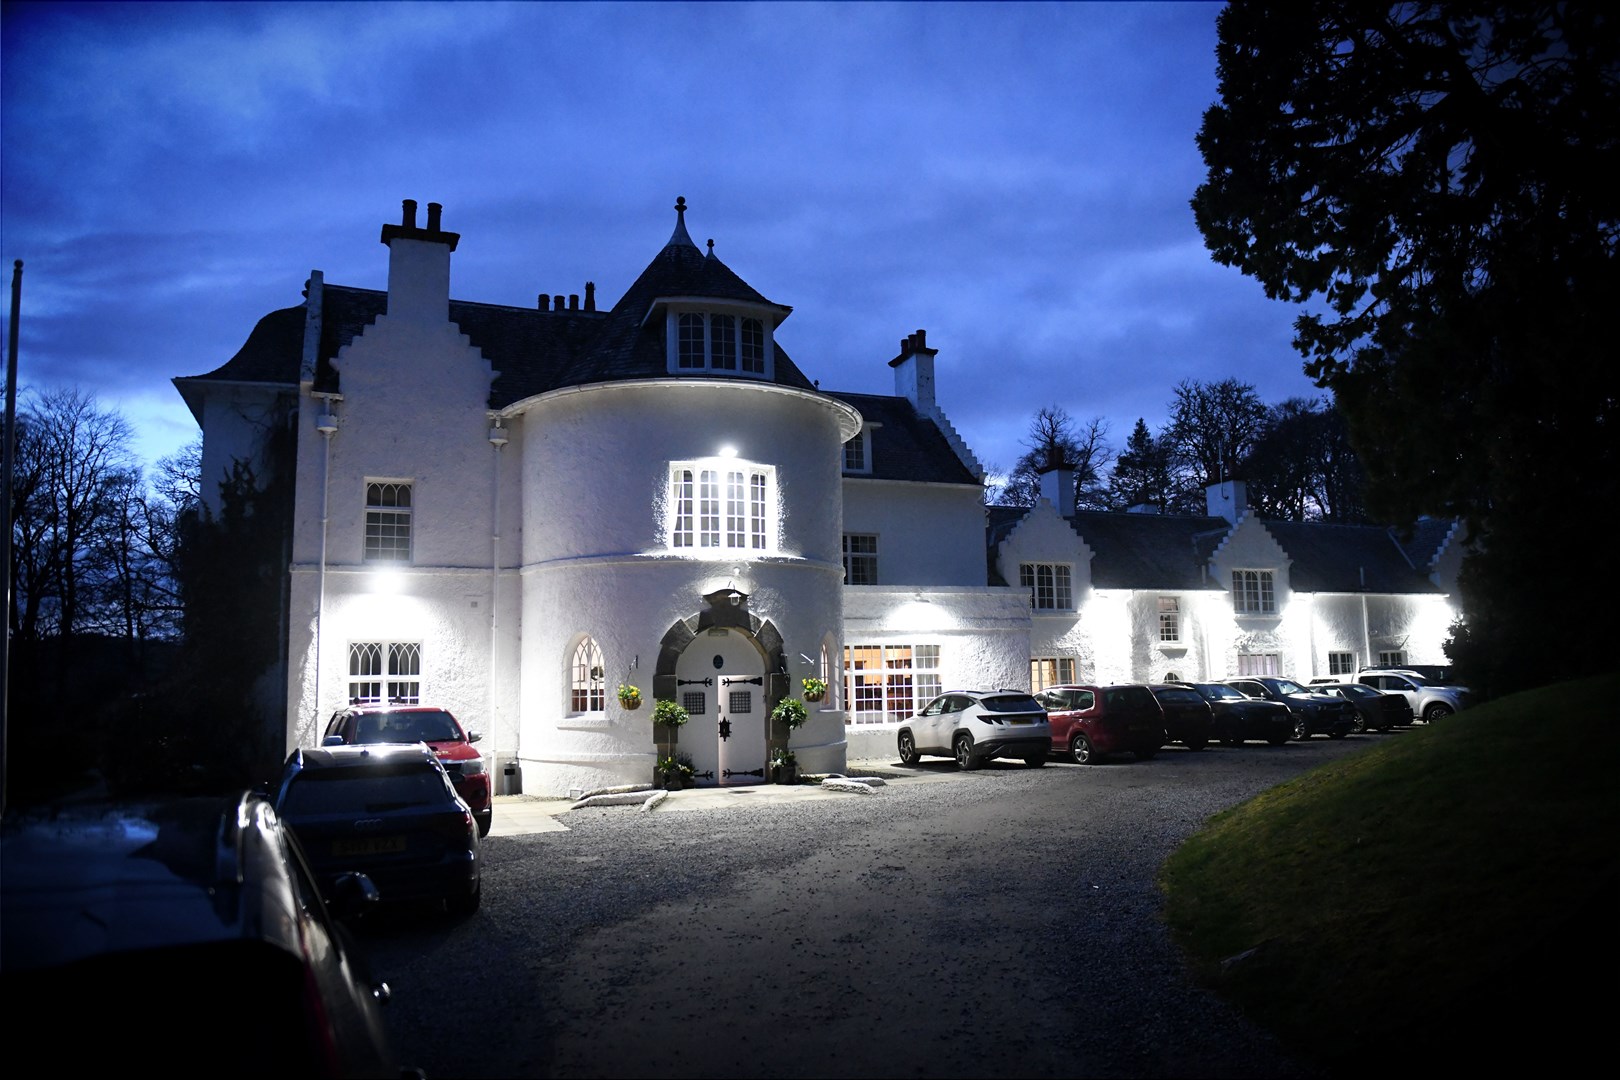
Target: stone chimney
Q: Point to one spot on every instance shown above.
(914, 371)
(419, 267)
(1228, 499)
(1057, 487)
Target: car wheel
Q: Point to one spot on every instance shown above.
(485, 820)
(1359, 727)
(964, 752)
(1035, 761)
(1082, 753)
(1435, 712)
(463, 905)
(908, 749)
(1302, 730)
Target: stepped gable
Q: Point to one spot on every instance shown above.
(906, 445)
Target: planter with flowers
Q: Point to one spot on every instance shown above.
(814, 689)
(629, 696)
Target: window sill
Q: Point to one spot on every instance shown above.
(585, 721)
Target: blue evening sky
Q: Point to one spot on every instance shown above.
(1013, 178)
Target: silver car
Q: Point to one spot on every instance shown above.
(974, 726)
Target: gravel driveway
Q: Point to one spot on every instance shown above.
(996, 923)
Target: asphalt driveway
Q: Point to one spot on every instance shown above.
(996, 923)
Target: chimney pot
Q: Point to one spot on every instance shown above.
(558, 301)
(922, 335)
(434, 209)
(590, 296)
(573, 301)
(410, 214)
(545, 302)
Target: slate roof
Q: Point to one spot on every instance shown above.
(904, 444)
(1154, 551)
(533, 351)
(1347, 558)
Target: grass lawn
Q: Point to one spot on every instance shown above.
(1446, 898)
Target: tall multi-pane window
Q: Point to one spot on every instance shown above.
(1050, 671)
(1049, 585)
(691, 352)
(1170, 619)
(860, 559)
(385, 671)
(723, 342)
(1252, 592)
(721, 507)
(855, 454)
(388, 522)
(587, 682)
(753, 346)
(884, 683)
(1392, 658)
(1341, 663)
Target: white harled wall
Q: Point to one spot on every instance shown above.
(596, 559)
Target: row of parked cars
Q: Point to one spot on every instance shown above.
(1088, 723)
(248, 892)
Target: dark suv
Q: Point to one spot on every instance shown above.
(1313, 713)
(388, 812)
(1239, 717)
(1091, 722)
(367, 724)
(185, 929)
(1188, 718)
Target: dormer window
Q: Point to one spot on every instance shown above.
(720, 341)
(858, 452)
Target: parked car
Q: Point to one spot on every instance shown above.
(974, 726)
(1091, 722)
(367, 724)
(1188, 718)
(1429, 701)
(1239, 717)
(1313, 713)
(387, 811)
(186, 928)
(1434, 674)
(1375, 709)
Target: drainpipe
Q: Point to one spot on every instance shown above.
(497, 440)
(327, 424)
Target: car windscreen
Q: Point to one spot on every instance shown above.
(1178, 696)
(406, 727)
(1011, 703)
(1217, 692)
(370, 790)
(1288, 686)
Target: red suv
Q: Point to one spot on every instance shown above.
(426, 724)
(1089, 722)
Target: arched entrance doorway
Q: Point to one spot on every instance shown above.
(724, 666)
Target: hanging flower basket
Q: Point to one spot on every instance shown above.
(814, 689)
(629, 696)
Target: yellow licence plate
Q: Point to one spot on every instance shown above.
(371, 845)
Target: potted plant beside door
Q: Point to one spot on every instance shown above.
(670, 716)
(791, 714)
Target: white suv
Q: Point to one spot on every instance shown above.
(1430, 701)
(974, 726)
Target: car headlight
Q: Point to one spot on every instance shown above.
(473, 767)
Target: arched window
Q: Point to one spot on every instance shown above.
(587, 685)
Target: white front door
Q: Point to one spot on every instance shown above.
(741, 729)
(720, 680)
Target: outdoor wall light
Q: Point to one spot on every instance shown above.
(728, 451)
(388, 582)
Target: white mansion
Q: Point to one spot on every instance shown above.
(513, 511)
